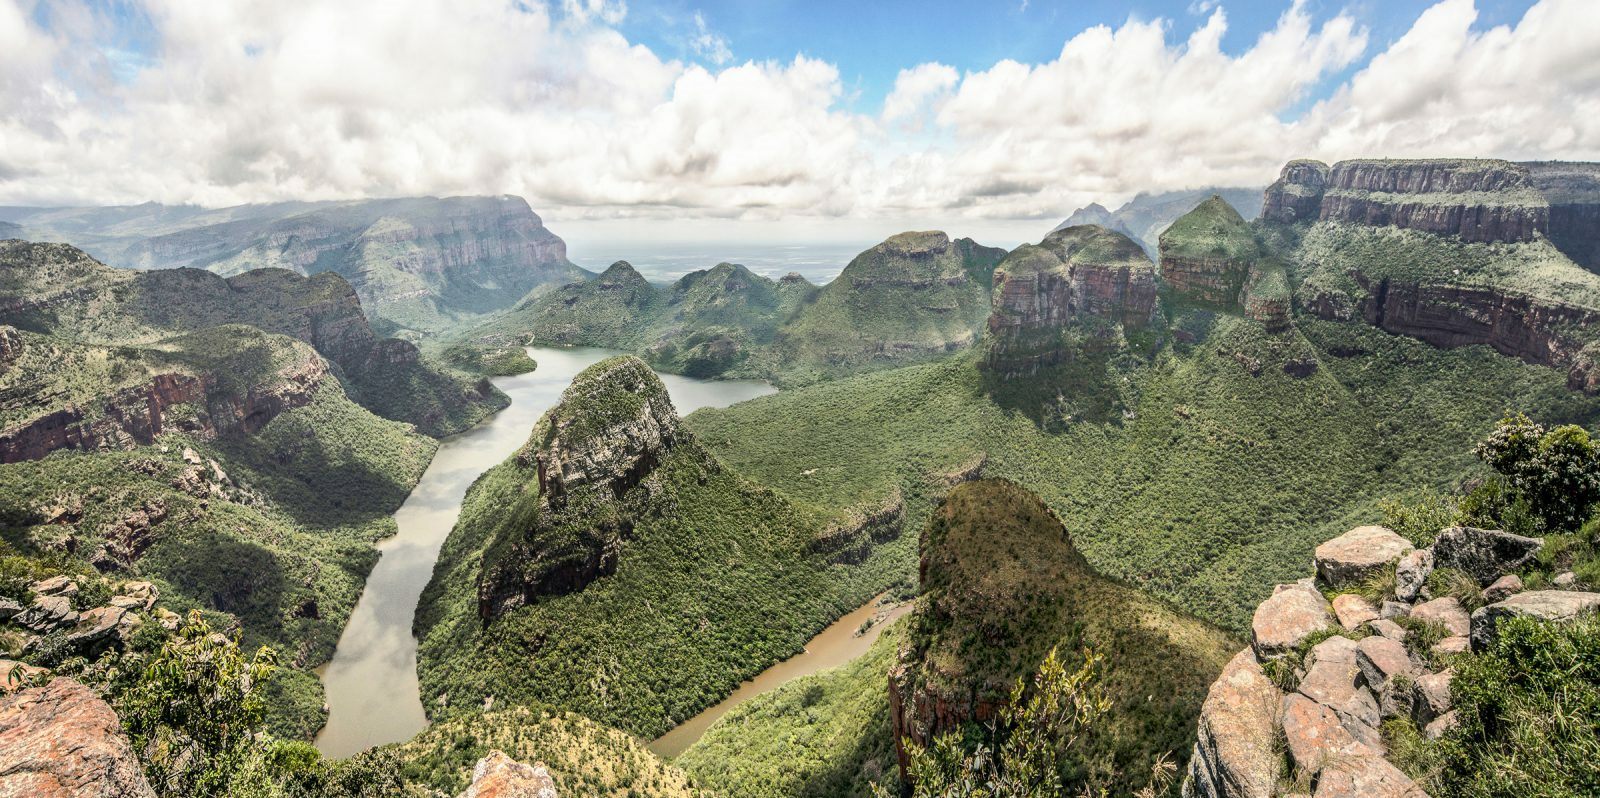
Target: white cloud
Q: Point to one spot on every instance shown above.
(260, 100)
(709, 45)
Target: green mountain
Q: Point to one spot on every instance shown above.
(914, 297)
(1145, 217)
(58, 290)
(613, 567)
(420, 265)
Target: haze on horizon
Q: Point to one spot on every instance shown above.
(773, 121)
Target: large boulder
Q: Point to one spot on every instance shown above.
(62, 741)
(1317, 735)
(1366, 777)
(1286, 619)
(1544, 605)
(1483, 554)
(1411, 574)
(1446, 612)
(1353, 611)
(1235, 755)
(1333, 678)
(500, 776)
(1352, 557)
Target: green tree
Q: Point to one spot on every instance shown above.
(1555, 473)
(1033, 741)
(194, 710)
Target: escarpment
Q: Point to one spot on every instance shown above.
(1002, 585)
(1573, 191)
(587, 457)
(1080, 285)
(1476, 200)
(1297, 194)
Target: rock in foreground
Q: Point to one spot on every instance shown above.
(500, 776)
(62, 741)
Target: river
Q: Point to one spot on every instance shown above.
(371, 682)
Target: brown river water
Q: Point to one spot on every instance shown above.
(371, 682)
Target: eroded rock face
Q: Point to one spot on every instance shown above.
(1475, 200)
(1573, 191)
(613, 426)
(500, 776)
(1086, 277)
(62, 741)
(10, 347)
(1297, 194)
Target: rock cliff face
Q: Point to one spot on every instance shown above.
(1479, 201)
(418, 262)
(1088, 277)
(588, 455)
(1573, 191)
(1297, 195)
(1210, 257)
(61, 741)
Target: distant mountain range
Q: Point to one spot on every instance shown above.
(1145, 216)
(420, 265)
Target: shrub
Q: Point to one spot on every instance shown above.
(1557, 472)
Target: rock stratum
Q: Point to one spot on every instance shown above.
(416, 263)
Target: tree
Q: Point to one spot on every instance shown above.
(1554, 473)
(194, 710)
(1023, 753)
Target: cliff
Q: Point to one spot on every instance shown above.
(1001, 585)
(1079, 285)
(1207, 255)
(1297, 194)
(419, 263)
(613, 426)
(60, 291)
(63, 741)
(1573, 191)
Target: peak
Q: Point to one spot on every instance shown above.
(1093, 243)
(621, 270)
(924, 242)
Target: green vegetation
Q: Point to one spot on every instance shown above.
(489, 359)
(1212, 231)
(1204, 483)
(911, 298)
(583, 757)
(820, 736)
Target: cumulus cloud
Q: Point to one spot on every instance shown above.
(260, 100)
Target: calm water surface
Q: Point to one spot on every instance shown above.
(371, 682)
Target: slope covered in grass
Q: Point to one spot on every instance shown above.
(1210, 473)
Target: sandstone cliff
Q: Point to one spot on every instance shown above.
(1573, 191)
(1297, 194)
(613, 426)
(1079, 286)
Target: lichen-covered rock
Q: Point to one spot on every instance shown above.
(1433, 696)
(1236, 754)
(1287, 618)
(1411, 574)
(1317, 735)
(1334, 679)
(1483, 554)
(1358, 554)
(1366, 777)
(1503, 588)
(500, 776)
(61, 741)
(1542, 605)
(1388, 628)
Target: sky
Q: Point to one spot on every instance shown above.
(769, 120)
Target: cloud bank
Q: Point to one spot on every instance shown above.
(259, 100)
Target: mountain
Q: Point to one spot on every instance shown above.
(1002, 585)
(420, 265)
(613, 567)
(58, 290)
(1144, 217)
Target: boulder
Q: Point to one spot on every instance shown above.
(1381, 660)
(500, 776)
(1388, 628)
(59, 585)
(1452, 645)
(1333, 678)
(1317, 735)
(1358, 554)
(1411, 574)
(1483, 554)
(62, 741)
(9, 609)
(1433, 696)
(100, 628)
(1287, 618)
(1366, 777)
(23, 674)
(1441, 725)
(1394, 609)
(1544, 605)
(1503, 588)
(1446, 612)
(1353, 610)
(1235, 754)
(143, 591)
(47, 614)
(1565, 579)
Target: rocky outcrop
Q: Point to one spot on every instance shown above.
(1352, 557)
(1086, 279)
(1573, 192)
(207, 406)
(613, 426)
(1210, 255)
(850, 539)
(1483, 554)
(61, 741)
(1476, 200)
(1297, 194)
(10, 347)
(500, 776)
(1541, 605)
(1236, 755)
